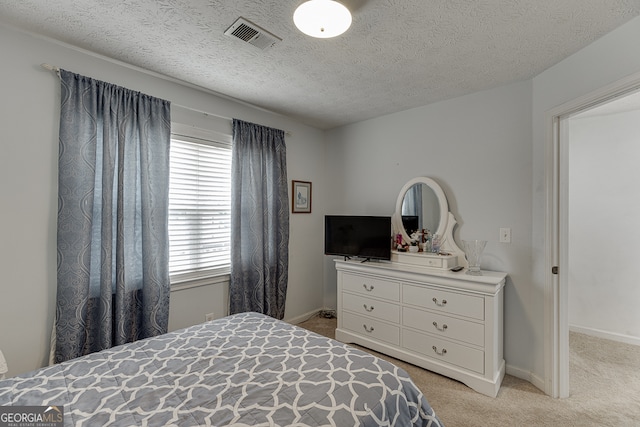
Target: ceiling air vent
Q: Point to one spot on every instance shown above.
(252, 34)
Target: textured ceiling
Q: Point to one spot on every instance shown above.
(398, 54)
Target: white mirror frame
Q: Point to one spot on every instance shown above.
(447, 220)
(442, 202)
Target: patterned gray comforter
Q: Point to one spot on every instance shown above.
(242, 370)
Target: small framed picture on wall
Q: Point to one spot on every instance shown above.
(300, 197)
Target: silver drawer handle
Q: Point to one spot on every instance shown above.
(444, 326)
(439, 353)
(366, 307)
(367, 288)
(368, 329)
(440, 304)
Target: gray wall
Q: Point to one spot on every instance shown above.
(489, 152)
(602, 63)
(29, 112)
(478, 147)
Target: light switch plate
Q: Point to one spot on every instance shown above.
(505, 235)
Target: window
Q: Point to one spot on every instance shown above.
(199, 204)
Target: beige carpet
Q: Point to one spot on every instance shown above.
(604, 378)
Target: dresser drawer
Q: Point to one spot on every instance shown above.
(371, 328)
(444, 351)
(445, 326)
(446, 302)
(365, 285)
(370, 307)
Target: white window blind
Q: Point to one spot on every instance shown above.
(199, 208)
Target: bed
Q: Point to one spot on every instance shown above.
(242, 370)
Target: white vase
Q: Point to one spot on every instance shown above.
(473, 251)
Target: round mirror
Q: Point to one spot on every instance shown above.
(421, 205)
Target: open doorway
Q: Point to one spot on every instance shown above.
(575, 155)
(603, 212)
(603, 207)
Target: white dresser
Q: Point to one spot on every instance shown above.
(446, 322)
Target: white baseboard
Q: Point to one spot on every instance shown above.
(540, 383)
(526, 376)
(537, 382)
(628, 339)
(303, 317)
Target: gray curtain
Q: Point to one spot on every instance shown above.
(113, 180)
(259, 220)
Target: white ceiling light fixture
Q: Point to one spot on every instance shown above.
(322, 18)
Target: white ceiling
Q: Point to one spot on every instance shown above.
(398, 54)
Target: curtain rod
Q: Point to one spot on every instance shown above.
(51, 68)
(206, 113)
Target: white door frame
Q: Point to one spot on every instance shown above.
(556, 297)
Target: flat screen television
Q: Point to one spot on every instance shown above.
(367, 237)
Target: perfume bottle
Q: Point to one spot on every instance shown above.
(435, 244)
